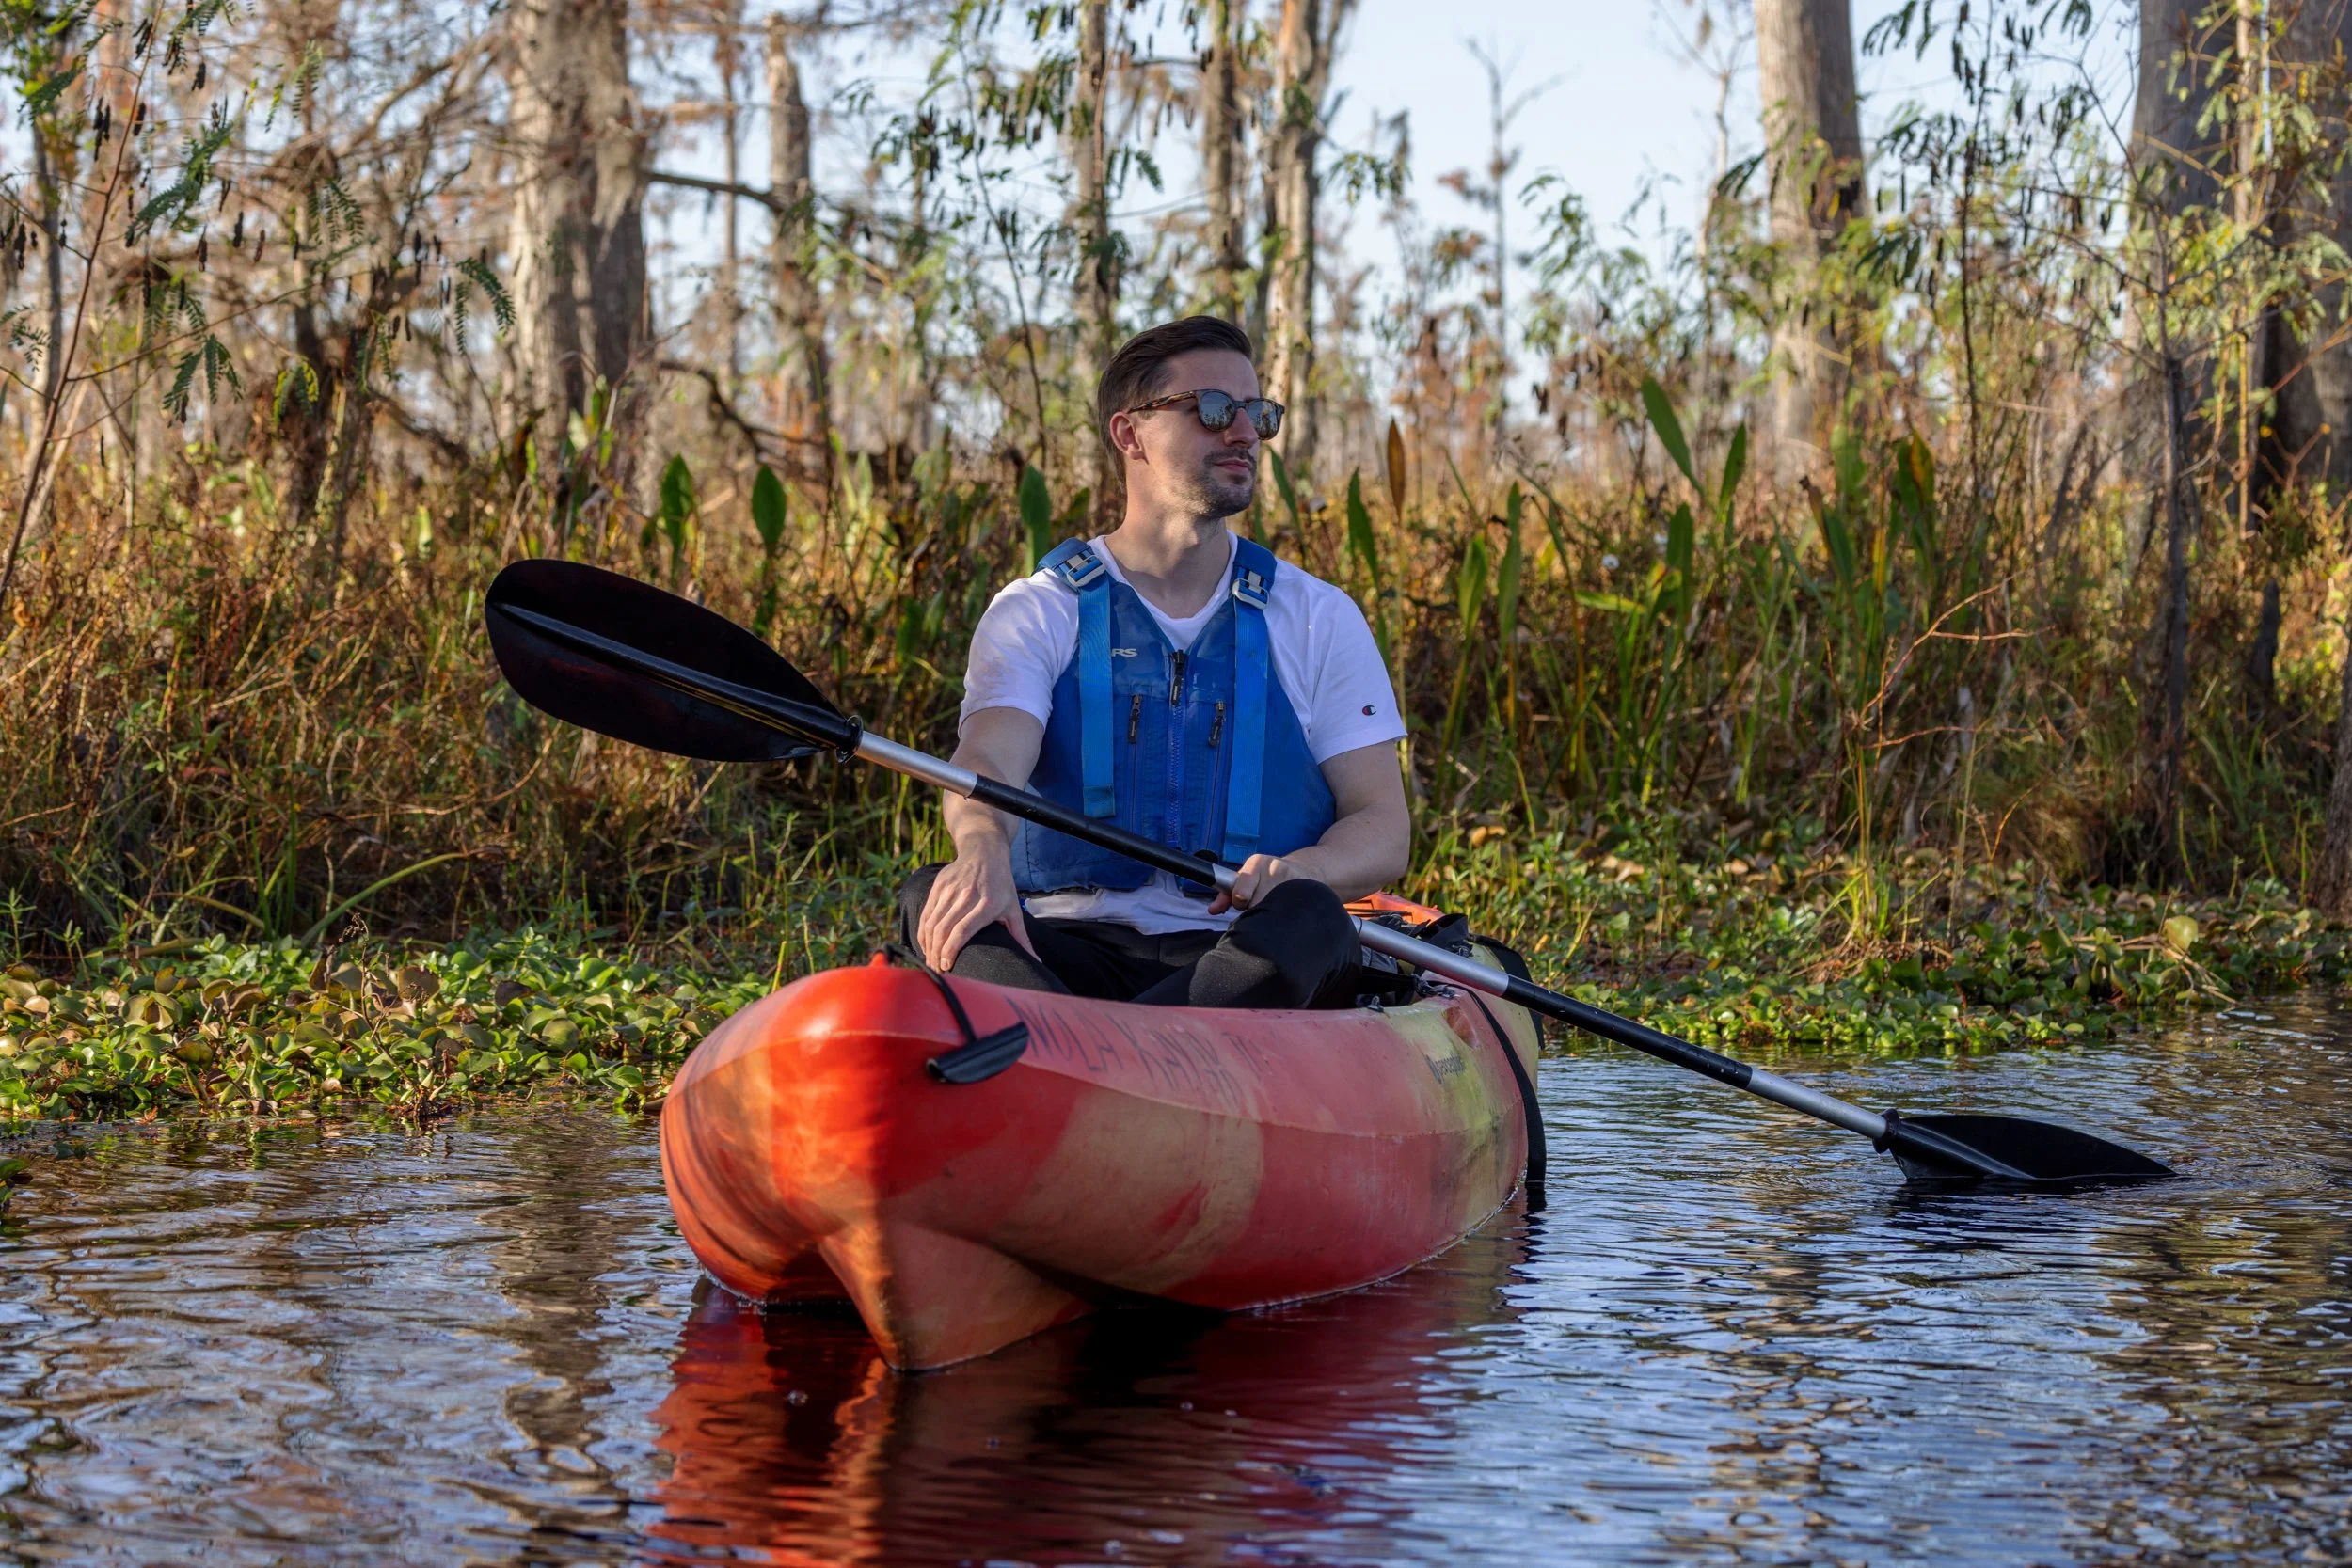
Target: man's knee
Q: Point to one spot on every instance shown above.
(913, 894)
(1298, 911)
(1304, 930)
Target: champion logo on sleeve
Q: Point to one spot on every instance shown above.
(1367, 710)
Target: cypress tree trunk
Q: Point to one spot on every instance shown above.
(1097, 282)
(1812, 144)
(804, 393)
(728, 57)
(1302, 69)
(578, 241)
(1221, 158)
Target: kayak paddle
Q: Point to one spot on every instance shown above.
(624, 658)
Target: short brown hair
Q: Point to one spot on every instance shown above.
(1138, 371)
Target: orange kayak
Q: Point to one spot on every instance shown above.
(1131, 1154)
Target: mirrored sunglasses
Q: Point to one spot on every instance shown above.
(1215, 410)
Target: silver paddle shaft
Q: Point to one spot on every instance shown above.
(1495, 982)
(1453, 966)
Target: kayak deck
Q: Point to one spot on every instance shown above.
(1217, 1159)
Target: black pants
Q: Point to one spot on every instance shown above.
(1295, 947)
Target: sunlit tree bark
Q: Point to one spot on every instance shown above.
(803, 373)
(1303, 46)
(578, 243)
(1221, 154)
(1096, 289)
(1813, 142)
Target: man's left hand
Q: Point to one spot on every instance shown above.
(1257, 874)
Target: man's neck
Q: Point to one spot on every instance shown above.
(1175, 560)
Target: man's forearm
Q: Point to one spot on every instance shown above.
(1356, 855)
(976, 828)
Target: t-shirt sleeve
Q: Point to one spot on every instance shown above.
(1353, 705)
(1024, 638)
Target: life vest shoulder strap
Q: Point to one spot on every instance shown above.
(1254, 571)
(1076, 567)
(1254, 567)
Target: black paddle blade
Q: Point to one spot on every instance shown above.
(624, 658)
(2029, 1150)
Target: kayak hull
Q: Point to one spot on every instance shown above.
(1212, 1158)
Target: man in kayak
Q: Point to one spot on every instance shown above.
(1172, 678)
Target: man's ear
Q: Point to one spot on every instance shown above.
(1126, 439)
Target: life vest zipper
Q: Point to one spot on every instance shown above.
(1216, 726)
(1176, 681)
(1135, 718)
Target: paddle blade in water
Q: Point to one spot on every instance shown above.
(2037, 1151)
(608, 691)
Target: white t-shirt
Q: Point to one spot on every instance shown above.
(1323, 655)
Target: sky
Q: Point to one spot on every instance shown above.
(1613, 101)
(1609, 97)
(1610, 103)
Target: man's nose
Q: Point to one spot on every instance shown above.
(1242, 432)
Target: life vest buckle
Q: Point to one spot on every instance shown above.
(1081, 567)
(1250, 587)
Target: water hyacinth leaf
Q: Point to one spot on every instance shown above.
(1669, 427)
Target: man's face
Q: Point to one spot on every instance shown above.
(1210, 473)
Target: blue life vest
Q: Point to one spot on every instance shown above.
(1199, 748)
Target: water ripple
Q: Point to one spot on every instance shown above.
(1735, 1339)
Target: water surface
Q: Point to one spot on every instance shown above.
(1734, 1337)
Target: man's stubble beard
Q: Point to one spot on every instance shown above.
(1212, 495)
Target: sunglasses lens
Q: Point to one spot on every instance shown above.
(1266, 416)
(1214, 408)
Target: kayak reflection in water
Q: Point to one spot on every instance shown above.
(1176, 680)
(1190, 1436)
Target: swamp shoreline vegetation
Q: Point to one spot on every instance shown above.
(1903, 613)
(1725, 953)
